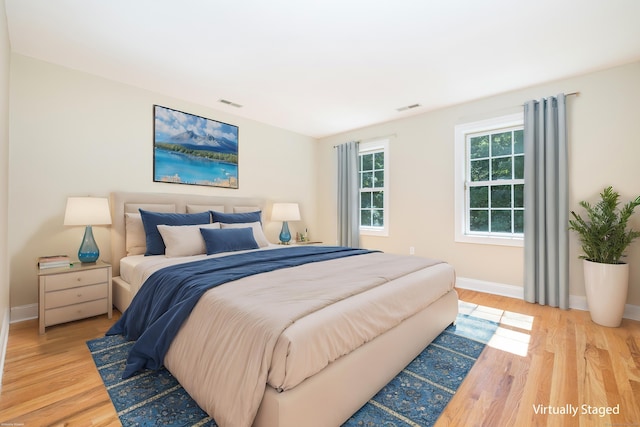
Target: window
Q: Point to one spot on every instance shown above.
(374, 183)
(490, 181)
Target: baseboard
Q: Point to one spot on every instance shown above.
(24, 312)
(631, 312)
(493, 288)
(4, 339)
(576, 302)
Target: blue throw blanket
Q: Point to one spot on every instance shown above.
(167, 297)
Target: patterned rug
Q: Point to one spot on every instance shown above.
(415, 397)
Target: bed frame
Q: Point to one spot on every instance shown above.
(330, 397)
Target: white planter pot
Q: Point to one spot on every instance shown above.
(606, 287)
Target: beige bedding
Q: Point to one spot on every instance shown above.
(284, 326)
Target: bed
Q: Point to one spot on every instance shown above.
(297, 384)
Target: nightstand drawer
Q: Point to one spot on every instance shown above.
(74, 279)
(76, 295)
(75, 312)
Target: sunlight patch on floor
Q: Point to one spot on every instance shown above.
(511, 341)
(512, 334)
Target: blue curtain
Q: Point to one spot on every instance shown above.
(348, 195)
(546, 214)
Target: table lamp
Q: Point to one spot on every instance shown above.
(87, 211)
(285, 212)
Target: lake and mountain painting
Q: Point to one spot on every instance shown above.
(194, 150)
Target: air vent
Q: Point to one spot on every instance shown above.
(233, 104)
(408, 107)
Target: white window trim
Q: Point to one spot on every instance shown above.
(460, 179)
(363, 148)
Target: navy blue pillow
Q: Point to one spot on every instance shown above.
(237, 218)
(151, 221)
(228, 239)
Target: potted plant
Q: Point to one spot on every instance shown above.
(604, 237)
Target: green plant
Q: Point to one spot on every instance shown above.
(604, 235)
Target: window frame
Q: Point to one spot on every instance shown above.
(369, 147)
(492, 125)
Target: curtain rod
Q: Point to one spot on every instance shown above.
(572, 93)
(375, 138)
(566, 94)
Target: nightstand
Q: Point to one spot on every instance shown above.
(72, 293)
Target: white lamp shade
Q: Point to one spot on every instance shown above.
(285, 212)
(87, 211)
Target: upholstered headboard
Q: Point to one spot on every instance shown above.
(126, 202)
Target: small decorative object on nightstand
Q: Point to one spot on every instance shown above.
(285, 212)
(72, 293)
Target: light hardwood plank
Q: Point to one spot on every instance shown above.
(51, 380)
(563, 359)
(569, 360)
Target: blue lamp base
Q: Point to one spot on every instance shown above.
(285, 235)
(88, 251)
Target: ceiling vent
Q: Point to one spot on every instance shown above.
(408, 107)
(233, 104)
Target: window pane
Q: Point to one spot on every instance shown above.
(367, 180)
(518, 167)
(378, 199)
(501, 168)
(501, 144)
(518, 196)
(479, 220)
(518, 221)
(518, 143)
(365, 218)
(479, 170)
(378, 179)
(367, 162)
(479, 197)
(377, 219)
(379, 160)
(501, 221)
(479, 147)
(365, 200)
(501, 196)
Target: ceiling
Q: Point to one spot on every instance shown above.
(324, 67)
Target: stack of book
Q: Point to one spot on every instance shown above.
(53, 261)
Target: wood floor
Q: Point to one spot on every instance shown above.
(542, 361)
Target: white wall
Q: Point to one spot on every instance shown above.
(74, 134)
(5, 59)
(604, 150)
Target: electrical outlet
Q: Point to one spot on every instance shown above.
(412, 250)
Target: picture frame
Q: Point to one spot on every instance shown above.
(194, 150)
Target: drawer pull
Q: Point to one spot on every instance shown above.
(79, 295)
(79, 279)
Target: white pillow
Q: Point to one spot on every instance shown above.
(135, 238)
(258, 234)
(184, 240)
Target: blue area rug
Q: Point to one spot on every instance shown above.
(415, 397)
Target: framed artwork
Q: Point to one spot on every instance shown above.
(189, 149)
